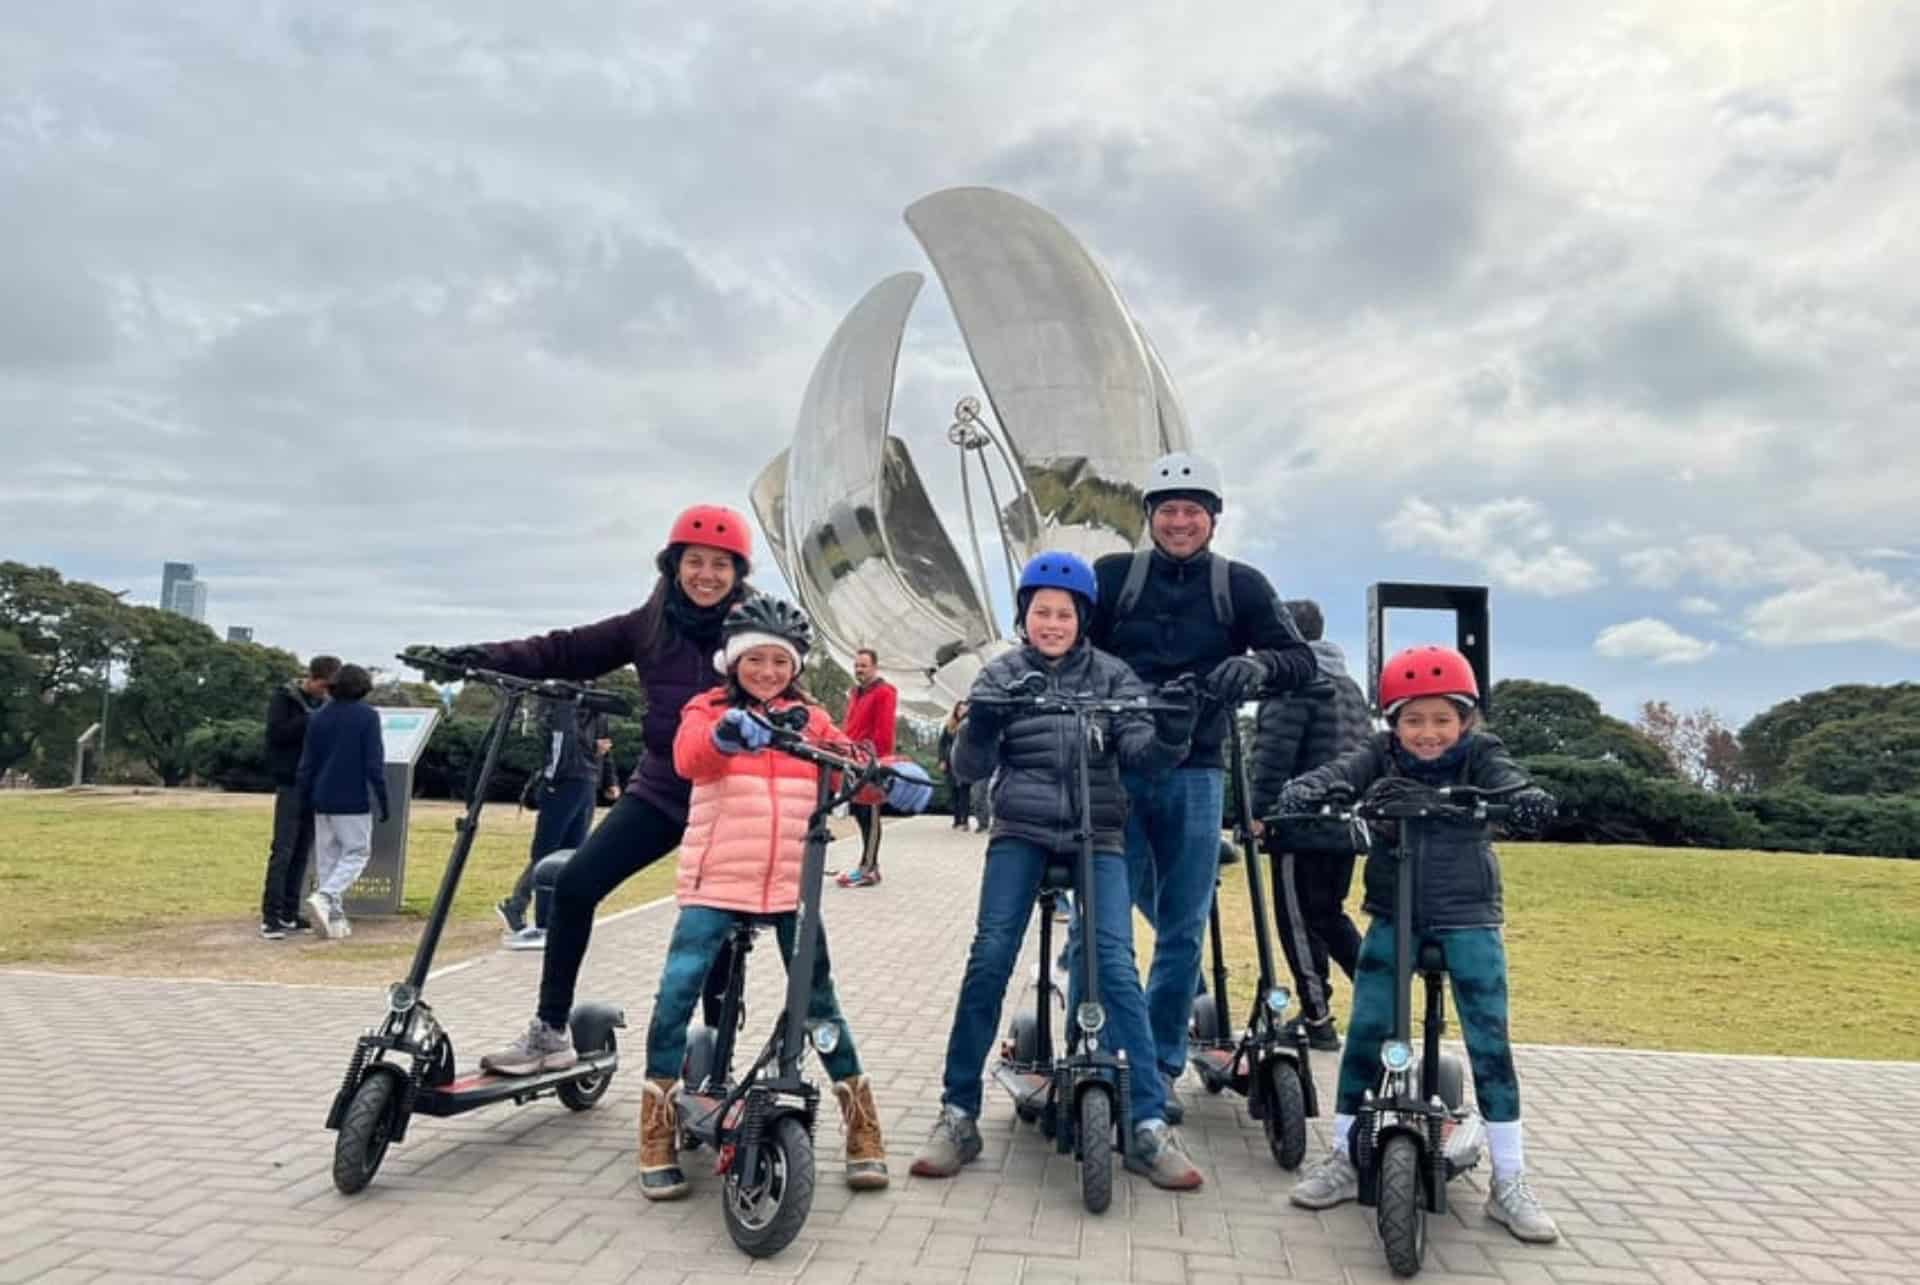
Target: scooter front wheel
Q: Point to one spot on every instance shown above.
(1402, 1214)
(769, 1193)
(1286, 1122)
(585, 1093)
(365, 1131)
(1096, 1150)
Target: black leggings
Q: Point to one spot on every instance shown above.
(635, 834)
(1319, 928)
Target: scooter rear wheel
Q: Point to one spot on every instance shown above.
(1204, 1028)
(365, 1131)
(1402, 1214)
(1286, 1122)
(585, 1093)
(1096, 1150)
(769, 1193)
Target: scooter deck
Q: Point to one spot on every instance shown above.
(1029, 1088)
(479, 1089)
(1215, 1065)
(699, 1115)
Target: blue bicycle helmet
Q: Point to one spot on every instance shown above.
(1058, 570)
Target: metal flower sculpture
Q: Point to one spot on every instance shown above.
(1083, 404)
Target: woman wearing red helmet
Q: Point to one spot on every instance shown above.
(1431, 700)
(669, 640)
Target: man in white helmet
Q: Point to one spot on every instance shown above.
(1170, 610)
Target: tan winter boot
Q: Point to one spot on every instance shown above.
(660, 1176)
(866, 1150)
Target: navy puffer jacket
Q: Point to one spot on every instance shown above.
(1036, 795)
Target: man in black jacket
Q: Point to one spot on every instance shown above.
(287, 711)
(1294, 734)
(1172, 611)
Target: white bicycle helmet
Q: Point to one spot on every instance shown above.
(1184, 471)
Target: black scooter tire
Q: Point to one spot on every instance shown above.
(1402, 1215)
(1204, 1028)
(585, 1093)
(365, 1131)
(790, 1151)
(1286, 1122)
(1096, 1150)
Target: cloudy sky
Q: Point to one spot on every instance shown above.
(418, 321)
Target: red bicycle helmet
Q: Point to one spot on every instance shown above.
(1426, 671)
(716, 526)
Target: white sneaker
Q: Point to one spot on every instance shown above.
(1333, 1181)
(528, 938)
(1512, 1204)
(321, 911)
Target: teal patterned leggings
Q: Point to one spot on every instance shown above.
(1477, 965)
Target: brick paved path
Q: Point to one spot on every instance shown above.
(172, 1130)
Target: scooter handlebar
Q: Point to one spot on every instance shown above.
(1030, 693)
(597, 699)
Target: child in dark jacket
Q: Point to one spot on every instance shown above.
(342, 774)
(1036, 823)
(1430, 697)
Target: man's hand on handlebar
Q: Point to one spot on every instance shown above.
(1236, 678)
(1176, 725)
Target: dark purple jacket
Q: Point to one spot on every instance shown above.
(680, 671)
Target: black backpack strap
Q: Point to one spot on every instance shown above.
(1222, 591)
(1136, 581)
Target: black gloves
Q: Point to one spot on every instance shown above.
(445, 664)
(1532, 810)
(1236, 678)
(1176, 726)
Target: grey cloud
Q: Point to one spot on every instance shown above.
(56, 313)
(1674, 355)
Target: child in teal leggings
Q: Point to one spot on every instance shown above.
(1431, 699)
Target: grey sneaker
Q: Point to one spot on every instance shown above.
(539, 1048)
(955, 1140)
(1334, 1181)
(512, 918)
(525, 939)
(1158, 1153)
(1513, 1205)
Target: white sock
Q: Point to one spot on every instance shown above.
(1342, 1126)
(1508, 1152)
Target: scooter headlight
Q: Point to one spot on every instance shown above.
(1091, 1017)
(401, 997)
(1277, 1000)
(1396, 1055)
(826, 1037)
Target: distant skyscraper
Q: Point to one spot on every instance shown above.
(181, 592)
(240, 633)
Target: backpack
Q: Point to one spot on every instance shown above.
(1219, 572)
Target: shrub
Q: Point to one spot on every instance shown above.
(231, 755)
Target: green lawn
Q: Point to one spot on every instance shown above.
(1668, 948)
(168, 883)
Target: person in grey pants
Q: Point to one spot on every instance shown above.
(577, 741)
(292, 843)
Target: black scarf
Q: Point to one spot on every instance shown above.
(698, 625)
(1444, 770)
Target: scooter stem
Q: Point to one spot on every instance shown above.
(793, 1040)
(469, 826)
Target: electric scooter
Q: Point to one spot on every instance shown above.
(1079, 1100)
(1265, 1063)
(1414, 1132)
(404, 1066)
(760, 1126)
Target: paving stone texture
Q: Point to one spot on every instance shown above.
(173, 1130)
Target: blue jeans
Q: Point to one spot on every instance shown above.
(1008, 889)
(1173, 861)
(699, 935)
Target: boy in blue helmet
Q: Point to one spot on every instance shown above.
(1036, 820)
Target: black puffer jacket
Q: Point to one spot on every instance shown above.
(1172, 630)
(1457, 882)
(1298, 732)
(1036, 796)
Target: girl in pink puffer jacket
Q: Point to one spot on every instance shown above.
(740, 856)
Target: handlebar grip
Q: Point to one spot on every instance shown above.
(606, 703)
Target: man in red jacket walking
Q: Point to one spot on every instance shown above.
(870, 716)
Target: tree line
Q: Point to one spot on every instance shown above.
(1836, 770)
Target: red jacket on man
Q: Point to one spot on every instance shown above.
(870, 715)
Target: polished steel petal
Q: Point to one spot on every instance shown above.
(769, 499)
(1069, 377)
(1173, 420)
(871, 561)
